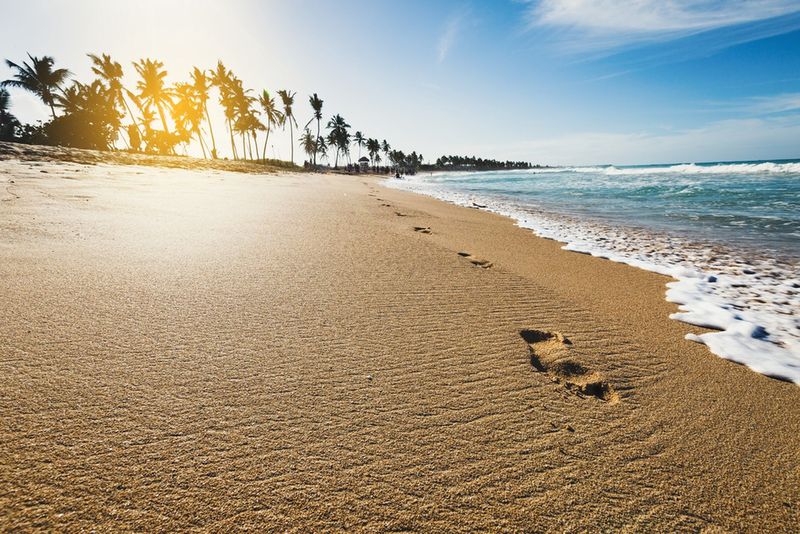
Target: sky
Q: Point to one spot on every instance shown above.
(558, 82)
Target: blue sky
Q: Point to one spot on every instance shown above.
(550, 81)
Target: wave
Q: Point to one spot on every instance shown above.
(690, 168)
(751, 303)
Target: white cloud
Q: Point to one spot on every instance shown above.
(450, 33)
(740, 139)
(608, 24)
(776, 103)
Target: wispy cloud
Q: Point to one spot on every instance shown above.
(450, 33)
(756, 106)
(775, 104)
(771, 136)
(592, 25)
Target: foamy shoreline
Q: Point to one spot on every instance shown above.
(752, 302)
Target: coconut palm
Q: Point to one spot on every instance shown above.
(308, 143)
(39, 78)
(187, 114)
(373, 147)
(221, 78)
(91, 118)
(272, 114)
(246, 122)
(5, 102)
(339, 136)
(316, 105)
(8, 122)
(153, 91)
(386, 149)
(202, 85)
(322, 147)
(360, 141)
(287, 97)
(110, 72)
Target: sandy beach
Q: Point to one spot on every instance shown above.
(202, 349)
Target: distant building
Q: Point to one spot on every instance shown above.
(363, 163)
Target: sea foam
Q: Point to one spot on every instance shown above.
(751, 304)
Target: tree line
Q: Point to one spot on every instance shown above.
(473, 163)
(157, 117)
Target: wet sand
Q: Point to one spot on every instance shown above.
(213, 351)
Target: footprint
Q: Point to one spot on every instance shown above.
(549, 352)
(399, 214)
(485, 264)
(422, 229)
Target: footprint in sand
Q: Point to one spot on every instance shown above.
(399, 214)
(422, 229)
(485, 264)
(549, 353)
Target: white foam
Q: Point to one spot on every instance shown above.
(684, 168)
(753, 304)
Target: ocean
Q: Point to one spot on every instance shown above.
(728, 232)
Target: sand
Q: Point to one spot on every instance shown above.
(206, 350)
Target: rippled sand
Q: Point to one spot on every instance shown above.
(207, 350)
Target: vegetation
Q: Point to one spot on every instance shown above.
(8, 122)
(478, 164)
(159, 117)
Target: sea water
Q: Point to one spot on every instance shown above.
(727, 232)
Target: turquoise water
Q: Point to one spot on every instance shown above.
(753, 205)
(728, 233)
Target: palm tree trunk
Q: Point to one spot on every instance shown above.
(265, 144)
(202, 145)
(230, 132)
(164, 123)
(316, 145)
(133, 117)
(291, 135)
(163, 119)
(211, 131)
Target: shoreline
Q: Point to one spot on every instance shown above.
(310, 351)
(745, 301)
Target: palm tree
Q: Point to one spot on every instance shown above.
(373, 147)
(152, 89)
(221, 78)
(39, 78)
(187, 114)
(316, 105)
(360, 142)
(308, 143)
(110, 72)
(322, 147)
(202, 85)
(338, 136)
(271, 113)
(386, 149)
(91, 119)
(243, 117)
(5, 102)
(287, 98)
(8, 122)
